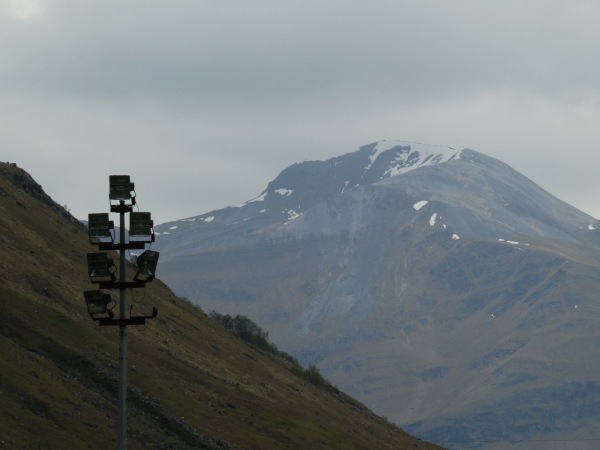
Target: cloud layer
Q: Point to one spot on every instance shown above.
(204, 102)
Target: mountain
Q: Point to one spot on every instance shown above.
(439, 286)
(192, 384)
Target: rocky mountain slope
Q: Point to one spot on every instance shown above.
(440, 287)
(192, 384)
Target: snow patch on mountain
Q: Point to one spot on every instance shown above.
(292, 215)
(284, 192)
(512, 242)
(412, 155)
(345, 186)
(420, 204)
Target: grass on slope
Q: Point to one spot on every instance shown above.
(191, 383)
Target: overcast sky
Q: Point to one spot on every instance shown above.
(204, 102)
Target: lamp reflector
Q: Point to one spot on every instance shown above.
(120, 187)
(100, 267)
(99, 226)
(146, 263)
(97, 304)
(140, 224)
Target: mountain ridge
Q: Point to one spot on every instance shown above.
(316, 173)
(407, 277)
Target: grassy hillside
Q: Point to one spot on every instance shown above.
(192, 384)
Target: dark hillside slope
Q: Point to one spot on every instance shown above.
(191, 383)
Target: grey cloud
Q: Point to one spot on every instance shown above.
(241, 53)
(224, 95)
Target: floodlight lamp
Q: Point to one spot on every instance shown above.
(146, 263)
(97, 303)
(120, 187)
(99, 227)
(140, 224)
(100, 267)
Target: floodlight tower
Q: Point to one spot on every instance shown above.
(102, 270)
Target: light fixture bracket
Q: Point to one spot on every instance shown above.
(133, 320)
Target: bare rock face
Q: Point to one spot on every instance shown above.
(440, 287)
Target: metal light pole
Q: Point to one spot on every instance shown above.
(122, 335)
(101, 270)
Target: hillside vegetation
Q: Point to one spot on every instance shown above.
(192, 383)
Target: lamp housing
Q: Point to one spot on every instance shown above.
(101, 267)
(120, 187)
(99, 227)
(146, 263)
(141, 225)
(97, 303)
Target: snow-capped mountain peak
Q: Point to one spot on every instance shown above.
(304, 184)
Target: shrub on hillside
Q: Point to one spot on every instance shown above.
(250, 332)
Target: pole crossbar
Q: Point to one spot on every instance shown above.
(122, 322)
(121, 284)
(138, 245)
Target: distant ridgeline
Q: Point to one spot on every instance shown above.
(22, 180)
